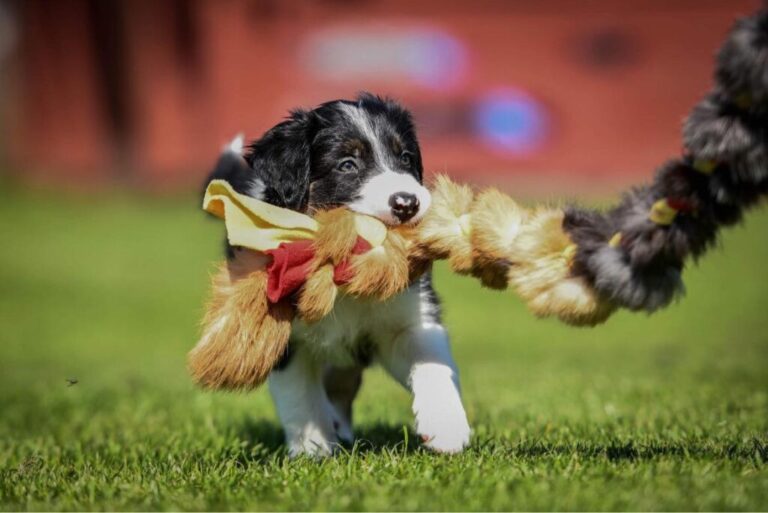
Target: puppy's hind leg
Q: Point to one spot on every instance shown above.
(342, 385)
(302, 405)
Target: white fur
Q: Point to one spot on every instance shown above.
(215, 328)
(375, 194)
(410, 345)
(421, 360)
(256, 189)
(335, 337)
(303, 407)
(236, 145)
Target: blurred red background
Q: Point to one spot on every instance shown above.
(561, 93)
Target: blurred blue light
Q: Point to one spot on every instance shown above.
(511, 121)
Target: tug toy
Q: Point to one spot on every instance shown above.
(575, 264)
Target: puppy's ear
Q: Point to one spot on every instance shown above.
(281, 161)
(233, 168)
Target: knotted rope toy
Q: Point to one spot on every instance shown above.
(575, 264)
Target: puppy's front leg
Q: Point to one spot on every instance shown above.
(420, 359)
(302, 405)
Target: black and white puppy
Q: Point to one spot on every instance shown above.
(364, 155)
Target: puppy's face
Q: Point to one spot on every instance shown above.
(362, 154)
(368, 159)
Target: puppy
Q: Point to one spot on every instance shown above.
(364, 155)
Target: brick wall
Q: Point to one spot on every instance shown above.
(145, 92)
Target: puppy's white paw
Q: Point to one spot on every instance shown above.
(441, 421)
(446, 439)
(443, 427)
(311, 441)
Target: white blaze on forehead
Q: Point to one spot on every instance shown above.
(363, 121)
(375, 194)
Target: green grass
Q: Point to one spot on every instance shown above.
(662, 412)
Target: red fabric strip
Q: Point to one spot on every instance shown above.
(680, 204)
(289, 268)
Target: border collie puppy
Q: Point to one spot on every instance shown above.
(364, 155)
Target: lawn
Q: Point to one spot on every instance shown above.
(668, 411)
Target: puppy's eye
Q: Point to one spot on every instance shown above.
(348, 166)
(405, 159)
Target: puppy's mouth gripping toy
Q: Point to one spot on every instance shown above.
(575, 264)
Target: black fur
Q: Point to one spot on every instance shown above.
(742, 62)
(719, 130)
(280, 160)
(364, 351)
(299, 163)
(430, 298)
(610, 269)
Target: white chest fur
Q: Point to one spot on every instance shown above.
(353, 321)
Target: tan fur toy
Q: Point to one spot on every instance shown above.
(290, 266)
(503, 244)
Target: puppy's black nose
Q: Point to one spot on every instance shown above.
(404, 205)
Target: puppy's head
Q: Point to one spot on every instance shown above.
(361, 154)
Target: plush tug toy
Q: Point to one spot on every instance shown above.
(293, 266)
(575, 264)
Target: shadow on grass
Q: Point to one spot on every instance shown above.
(265, 440)
(261, 433)
(376, 438)
(754, 450)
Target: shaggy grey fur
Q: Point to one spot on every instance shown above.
(718, 130)
(643, 272)
(636, 288)
(742, 62)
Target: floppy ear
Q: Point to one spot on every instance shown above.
(281, 160)
(233, 168)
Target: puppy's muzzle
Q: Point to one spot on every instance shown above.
(404, 205)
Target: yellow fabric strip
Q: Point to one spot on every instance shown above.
(371, 229)
(569, 253)
(662, 213)
(704, 166)
(253, 223)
